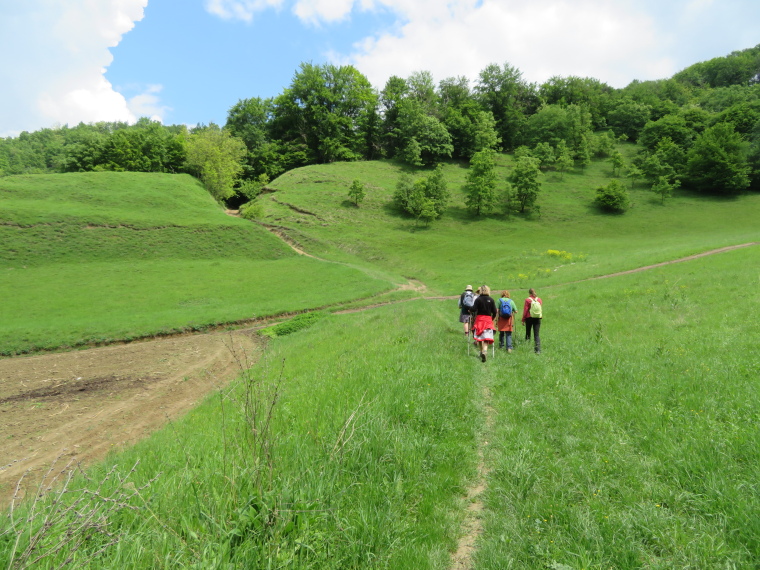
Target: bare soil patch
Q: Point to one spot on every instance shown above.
(83, 404)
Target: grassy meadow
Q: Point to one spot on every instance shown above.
(631, 442)
(93, 257)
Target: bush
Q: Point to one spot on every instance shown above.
(613, 197)
(297, 323)
(253, 210)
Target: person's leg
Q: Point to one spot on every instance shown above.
(528, 325)
(536, 329)
(509, 341)
(501, 338)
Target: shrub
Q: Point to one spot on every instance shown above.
(252, 210)
(613, 197)
(297, 323)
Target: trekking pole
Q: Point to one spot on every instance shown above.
(469, 331)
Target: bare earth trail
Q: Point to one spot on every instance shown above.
(84, 403)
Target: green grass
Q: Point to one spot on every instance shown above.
(505, 252)
(370, 444)
(73, 305)
(89, 258)
(632, 441)
(108, 216)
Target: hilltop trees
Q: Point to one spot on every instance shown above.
(509, 98)
(331, 113)
(327, 109)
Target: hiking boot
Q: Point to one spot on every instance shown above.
(509, 350)
(482, 356)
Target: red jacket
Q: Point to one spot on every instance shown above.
(526, 306)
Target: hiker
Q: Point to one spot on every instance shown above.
(466, 300)
(485, 313)
(506, 324)
(532, 315)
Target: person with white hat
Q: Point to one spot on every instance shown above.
(466, 301)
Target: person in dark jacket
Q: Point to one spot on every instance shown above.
(484, 310)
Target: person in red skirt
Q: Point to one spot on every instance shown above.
(484, 310)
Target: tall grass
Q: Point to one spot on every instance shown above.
(370, 441)
(632, 441)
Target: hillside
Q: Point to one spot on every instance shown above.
(95, 257)
(311, 204)
(105, 216)
(371, 440)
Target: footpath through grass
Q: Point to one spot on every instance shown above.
(630, 443)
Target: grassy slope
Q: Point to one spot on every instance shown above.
(459, 249)
(631, 442)
(91, 257)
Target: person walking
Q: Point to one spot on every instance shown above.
(466, 301)
(506, 324)
(484, 310)
(532, 315)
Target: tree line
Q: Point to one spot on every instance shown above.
(700, 129)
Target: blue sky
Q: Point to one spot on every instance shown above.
(189, 61)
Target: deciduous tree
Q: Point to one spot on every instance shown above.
(717, 162)
(480, 185)
(526, 180)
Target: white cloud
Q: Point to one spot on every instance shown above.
(54, 58)
(614, 42)
(239, 9)
(315, 11)
(148, 104)
(610, 41)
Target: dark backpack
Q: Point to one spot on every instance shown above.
(505, 308)
(468, 300)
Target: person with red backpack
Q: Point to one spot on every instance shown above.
(506, 324)
(532, 315)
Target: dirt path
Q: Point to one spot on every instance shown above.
(687, 258)
(472, 526)
(83, 404)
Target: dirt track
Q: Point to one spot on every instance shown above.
(83, 404)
